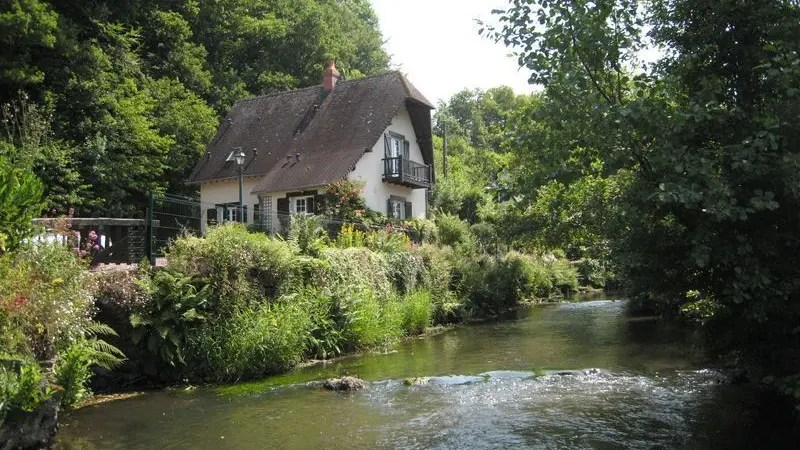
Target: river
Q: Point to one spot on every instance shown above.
(526, 382)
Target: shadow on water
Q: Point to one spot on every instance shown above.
(514, 384)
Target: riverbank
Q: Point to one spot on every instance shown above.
(290, 303)
(652, 390)
(235, 306)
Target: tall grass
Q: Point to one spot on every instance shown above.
(418, 311)
(367, 320)
(254, 341)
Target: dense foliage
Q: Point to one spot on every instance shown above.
(20, 201)
(684, 170)
(107, 100)
(46, 310)
(235, 305)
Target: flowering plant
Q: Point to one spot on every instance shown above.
(343, 200)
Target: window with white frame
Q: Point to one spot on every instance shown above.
(303, 205)
(396, 207)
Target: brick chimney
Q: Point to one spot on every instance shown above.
(330, 76)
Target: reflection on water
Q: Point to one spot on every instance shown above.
(518, 384)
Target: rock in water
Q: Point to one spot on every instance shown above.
(416, 381)
(346, 383)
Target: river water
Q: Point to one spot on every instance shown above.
(570, 375)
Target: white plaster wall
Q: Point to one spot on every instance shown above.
(369, 170)
(227, 191)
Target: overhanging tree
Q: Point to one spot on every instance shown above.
(703, 143)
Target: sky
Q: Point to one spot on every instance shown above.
(436, 44)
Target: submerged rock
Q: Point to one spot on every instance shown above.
(346, 383)
(416, 381)
(457, 379)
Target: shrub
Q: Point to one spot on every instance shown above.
(254, 341)
(452, 230)
(343, 200)
(325, 338)
(522, 277)
(21, 194)
(437, 277)
(122, 289)
(387, 241)
(46, 297)
(495, 284)
(21, 385)
(593, 272)
(357, 266)
(239, 268)
(405, 270)
(422, 230)
(438, 264)
(564, 276)
(486, 236)
(307, 233)
(418, 310)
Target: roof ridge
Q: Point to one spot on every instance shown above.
(293, 91)
(276, 94)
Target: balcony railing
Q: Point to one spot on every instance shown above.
(406, 172)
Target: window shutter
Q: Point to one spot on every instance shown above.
(389, 207)
(319, 204)
(387, 145)
(406, 150)
(408, 214)
(283, 206)
(310, 205)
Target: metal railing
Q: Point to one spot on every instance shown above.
(406, 171)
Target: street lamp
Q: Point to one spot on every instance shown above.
(239, 155)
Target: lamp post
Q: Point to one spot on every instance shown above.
(239, 155)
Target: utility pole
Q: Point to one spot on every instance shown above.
(444, 146)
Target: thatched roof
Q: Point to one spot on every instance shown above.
(330, 132)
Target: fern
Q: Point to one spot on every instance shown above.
(103, 354)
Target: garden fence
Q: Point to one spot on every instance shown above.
(170, 216)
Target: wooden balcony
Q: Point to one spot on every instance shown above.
(405, 172)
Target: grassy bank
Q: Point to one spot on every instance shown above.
(236, 305)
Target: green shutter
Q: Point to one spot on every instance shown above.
(408, 211)
(406, 150)
(389, 207)
(387, 144)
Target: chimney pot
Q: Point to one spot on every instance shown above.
(330, 76)
(297, 156)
